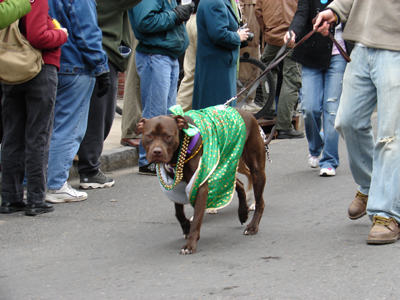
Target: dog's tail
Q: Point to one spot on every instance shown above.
(270, 137)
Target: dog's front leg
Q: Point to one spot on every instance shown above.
(185, 223)
(199, 208)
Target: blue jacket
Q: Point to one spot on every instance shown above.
(83, 54)
(153, 23)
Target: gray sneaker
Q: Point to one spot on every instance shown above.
(95, 181)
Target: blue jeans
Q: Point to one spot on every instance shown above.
(321, 92)
(370, 80)
(70, 121)
(158, 83)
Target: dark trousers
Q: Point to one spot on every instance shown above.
(1, 117)
(101, 118)
(28, 116)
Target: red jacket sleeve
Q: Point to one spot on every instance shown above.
(38, 27)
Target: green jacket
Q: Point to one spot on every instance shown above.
(114, 23)
(12, 10)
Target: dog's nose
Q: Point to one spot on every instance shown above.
(157, 152)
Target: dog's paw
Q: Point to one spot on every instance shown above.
(188, 250)
(250, 230)
(211, 211)
(252, 207)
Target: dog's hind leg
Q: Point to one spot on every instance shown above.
(244, 170)
(243, 210)
(185, 223)
(254, 157)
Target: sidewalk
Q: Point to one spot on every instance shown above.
(114, 156)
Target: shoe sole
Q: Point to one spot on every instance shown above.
(326, 175)
(382, 242)
(357, 217)
(90, 186)
(129, 145)
(38, 211)
(65, 200)
(147, 173)
(10, 211)
(289, 137)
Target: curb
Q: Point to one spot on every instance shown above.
(112, 160)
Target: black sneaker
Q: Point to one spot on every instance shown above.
(95, 180)
(37, 209)
(149, 169)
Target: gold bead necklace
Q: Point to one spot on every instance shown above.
(179, 166)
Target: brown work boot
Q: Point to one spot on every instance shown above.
(358, 207)
(383, 231)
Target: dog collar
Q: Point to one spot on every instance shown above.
(193, 143)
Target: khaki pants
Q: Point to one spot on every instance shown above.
(291, 85)
(132, 109)
(185, 93)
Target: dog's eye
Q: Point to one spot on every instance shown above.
(168, 137)
(149, 136)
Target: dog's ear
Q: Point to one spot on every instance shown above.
(140, 125)
(181, 121)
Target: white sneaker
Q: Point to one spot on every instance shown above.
(313, 161)
(65, 194)
(327, 172)
(251, 107)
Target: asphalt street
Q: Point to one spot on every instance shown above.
(124, 243)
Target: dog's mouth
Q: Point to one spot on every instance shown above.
(161, 158)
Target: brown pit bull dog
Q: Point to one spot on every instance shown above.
(164, 136)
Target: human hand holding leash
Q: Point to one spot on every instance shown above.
(290, 39)
(324, 20)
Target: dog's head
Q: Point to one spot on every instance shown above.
(161, 136)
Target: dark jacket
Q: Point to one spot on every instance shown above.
(153, 23)
(316, 51)
(217, 53)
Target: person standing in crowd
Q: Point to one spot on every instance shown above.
(132, 111)
(185, 92)
(274, 18)
(10, 11)
(252, 48)
(218, 43)
(159, 27)
(371, 80)
(322, 75)
(113, 21)
(83, 60)
(28, 115)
